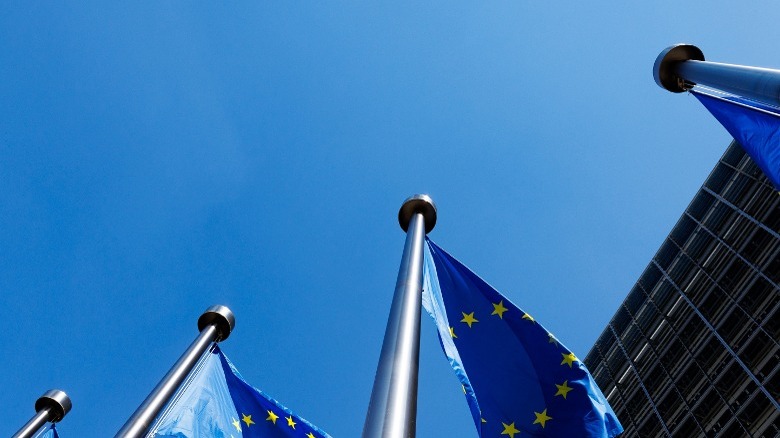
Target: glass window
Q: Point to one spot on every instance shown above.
(709, 407)
(772, 219)
(651, 427)
(756, 413)
(733, 327)
(757, 350)
(734, 429)
(756, 248)
(688, 428)
(755, 296)
(738, 191)
(771, 323)
(727, 381)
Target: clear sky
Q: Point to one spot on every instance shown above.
(160, 157)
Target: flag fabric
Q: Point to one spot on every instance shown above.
(49, 432)
(216, 402)
(518, 379)
(754, 125)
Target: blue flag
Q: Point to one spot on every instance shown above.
(519, 380)
(755, 126)
(216, 402)
(49, 432)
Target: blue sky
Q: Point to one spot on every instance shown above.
(159, 158)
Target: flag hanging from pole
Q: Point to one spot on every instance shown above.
(519, 380)
(49, 432)
(753, 125)
(216, 402)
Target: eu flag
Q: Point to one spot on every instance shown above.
(216, 402)
(519, 380)
(755, 126)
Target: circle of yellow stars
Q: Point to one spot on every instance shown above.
(568, 359)
(272, 417)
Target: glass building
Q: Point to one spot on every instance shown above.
(694, 350)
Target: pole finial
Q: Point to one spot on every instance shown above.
(57, 401)
(419, 203)
(221, 317)
(664, 69)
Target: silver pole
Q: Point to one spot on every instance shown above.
(215, 325)
(679, 67)
(51, 406)
(392, 411)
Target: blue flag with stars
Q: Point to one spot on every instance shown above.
(519, 380)
(216, 402)
(755, 126)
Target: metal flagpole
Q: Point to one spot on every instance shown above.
(215, 325)
(51, 406)
(678, 68)
(392, 411)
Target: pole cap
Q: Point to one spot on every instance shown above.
(219, 316)
(57, 401)
(665, 67)
(418, 204)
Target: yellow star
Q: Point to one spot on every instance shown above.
(452, 333)
(290, 421)
(483, 420)
(563, 389)
(542, 417)
(509, 429)
(568, 359)
(309, 435)
(499, 309)
(552, 339)
(528, 317)
(237, 424)
(272, 417)
(468, 319)
(247, 419)
(463, 387)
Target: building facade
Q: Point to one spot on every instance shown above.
(694, 350)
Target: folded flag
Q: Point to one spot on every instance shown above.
(753, 125)
(519, 380)
(216, 402)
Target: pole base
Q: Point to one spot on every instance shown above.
(665, 67)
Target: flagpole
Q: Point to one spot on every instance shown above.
(678, 68)
(392, 411)
(215, 325)
(50, 407)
